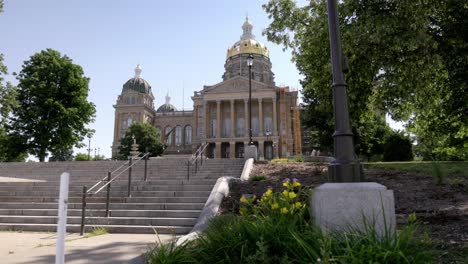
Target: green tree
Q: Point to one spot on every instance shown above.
(81, 157)
(62, 155)
(398, 147)
(404, 57)
(147, 137)
(52, 104)
(99, 157)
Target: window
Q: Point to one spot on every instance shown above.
(188, 135)
(168, 135)
(178, 135)
(227, 127)
(240, 127)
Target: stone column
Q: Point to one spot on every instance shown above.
(260, 117)
(206, 120)
(218, 119)
(232, 150)
(217, 154)
(275, 119)
(195, 125)
(275, 149)
(261, 150)
(246, 118)
(232, 120)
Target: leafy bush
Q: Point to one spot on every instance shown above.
(299, 158)
(398, 147)
(258, 178)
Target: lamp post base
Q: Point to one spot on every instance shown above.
(350, 172)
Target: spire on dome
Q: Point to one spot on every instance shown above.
(168, 99)
(137, 71)
(247, 28)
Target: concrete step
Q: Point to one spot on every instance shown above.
(103, 199)
(159, 221)
(102, 206)
(113, 193)
(101, 213)
(177, 230)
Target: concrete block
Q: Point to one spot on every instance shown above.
(341, 206)
(251, 152)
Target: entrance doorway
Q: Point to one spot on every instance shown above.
(240, 150)
(268, 150)
(225, 150)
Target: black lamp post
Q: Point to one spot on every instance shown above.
(89, 146)
(250, 63)
(345, 167)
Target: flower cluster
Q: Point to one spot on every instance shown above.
(286, 202)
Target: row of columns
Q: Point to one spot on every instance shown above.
(207, 118)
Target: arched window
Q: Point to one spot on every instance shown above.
(160, 132)
(178, 135)
(168, 135)
(129, 121)
(188, 135)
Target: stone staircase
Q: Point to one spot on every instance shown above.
(169, 202)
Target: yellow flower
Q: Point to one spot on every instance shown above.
(251, 200)
(268, 193)
(284, 210)
(264, 199)
(299, 205)
(274, 206)
(296, 184)
(285, 193)
(243, 199)
(292, 195)
(286, 184)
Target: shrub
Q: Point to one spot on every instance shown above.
(398, 147)
(299, 158)
(258, 178)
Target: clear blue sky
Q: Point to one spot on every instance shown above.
(181, 45)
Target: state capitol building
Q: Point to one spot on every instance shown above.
(220, 115)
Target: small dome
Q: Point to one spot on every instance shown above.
(137, 83)
(247, 43)
(166, 108)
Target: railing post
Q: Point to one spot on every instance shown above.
(83, 211)
(108, 193)
(129, 175)
(146, 166)
(201, 158)
(188, 169)
(196, 165)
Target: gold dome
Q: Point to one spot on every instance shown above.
(250, 46)
(247, 43)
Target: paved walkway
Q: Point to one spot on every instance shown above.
(39, 248)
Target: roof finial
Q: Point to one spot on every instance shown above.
(137, 71)
(168, 99)
(247, 28)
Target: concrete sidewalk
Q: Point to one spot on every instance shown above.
(39, 248)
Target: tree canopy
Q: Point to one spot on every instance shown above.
(407, 58)
(52, 108)
(146, 136)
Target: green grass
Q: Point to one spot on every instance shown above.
(98, 231)
(447, 168)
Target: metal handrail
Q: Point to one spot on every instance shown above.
(102, 187)
(108, 181)
(194, 159)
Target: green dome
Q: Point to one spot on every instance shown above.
(166, 108)
(137, 84)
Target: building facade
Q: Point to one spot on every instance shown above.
(220, 115)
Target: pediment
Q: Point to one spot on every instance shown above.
(235, 85)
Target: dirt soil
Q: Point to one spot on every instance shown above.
(442, 210)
